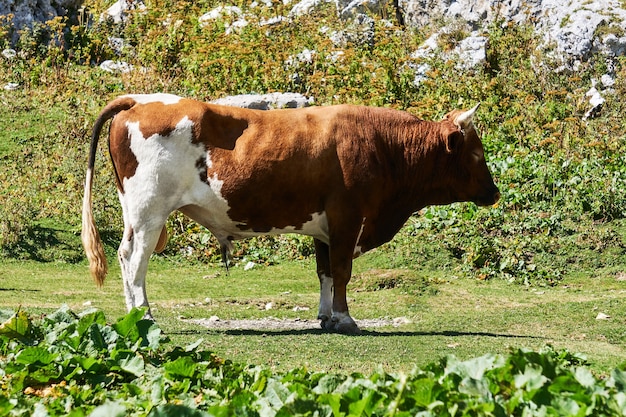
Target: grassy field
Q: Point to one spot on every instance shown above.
(441, 314)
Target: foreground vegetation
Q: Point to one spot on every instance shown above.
(536, 269)
(77, 365)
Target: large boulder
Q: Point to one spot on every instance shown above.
(570, 32)
(266, 101)
(25, 13)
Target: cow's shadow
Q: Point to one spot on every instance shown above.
(364, 333)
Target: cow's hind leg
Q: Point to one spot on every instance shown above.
(139, 241)
(322, 257)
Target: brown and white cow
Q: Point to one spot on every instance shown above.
(348, 176)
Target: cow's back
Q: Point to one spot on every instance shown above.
(283, 166)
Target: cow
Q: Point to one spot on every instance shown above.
(349, 176)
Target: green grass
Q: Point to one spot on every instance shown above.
(447, 315)
(23, 121)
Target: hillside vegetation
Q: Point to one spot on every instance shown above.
(562, 177)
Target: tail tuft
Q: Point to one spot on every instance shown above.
(90, 237)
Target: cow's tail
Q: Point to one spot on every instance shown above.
(92, 242)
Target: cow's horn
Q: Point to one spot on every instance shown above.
(464, 119)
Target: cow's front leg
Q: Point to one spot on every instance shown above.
(322, 258)
(341, 251)
(340, 320)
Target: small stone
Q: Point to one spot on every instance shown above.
(602, 316)
(9, 53)
(116, 66)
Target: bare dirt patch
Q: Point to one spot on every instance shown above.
(272, 323)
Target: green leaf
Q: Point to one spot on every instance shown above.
(109, 409)
(94, 337)
(87, 319)
(619, 399)
(172, 410)
(475, 387)
(422, 389)
(193, 346)
(584, 377)
(328, 384)
(133, 365)
(474, 368)
(566, 406)
(16, 327)
(89, 364)
(35, 355)
(334, 401)
(183, 367)
(126, 326)
(150, 333)
(5, 405)
(369, 401)
(276, 393)
(532, 378)
(617, 380)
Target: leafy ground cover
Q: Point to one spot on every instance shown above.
(76, 364)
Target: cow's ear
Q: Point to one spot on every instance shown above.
(454, 140)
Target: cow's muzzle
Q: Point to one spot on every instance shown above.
(489, 199)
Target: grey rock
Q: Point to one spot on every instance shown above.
(356, 7)
(596, 101)
(569, 31)
(117, 12)
(266, 101)
(471, 51)
(116, 67)
(360, 32)
(26, 13)
(305, 7)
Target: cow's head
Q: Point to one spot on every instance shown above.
(471, 179)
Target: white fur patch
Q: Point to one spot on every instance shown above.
(316, 227)
(326, 297)
(165, 173)
(154, 98)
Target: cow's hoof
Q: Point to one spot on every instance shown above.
(345, 325)
(325, 322)
(348, 328)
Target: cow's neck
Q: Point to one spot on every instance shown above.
(425, 168)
